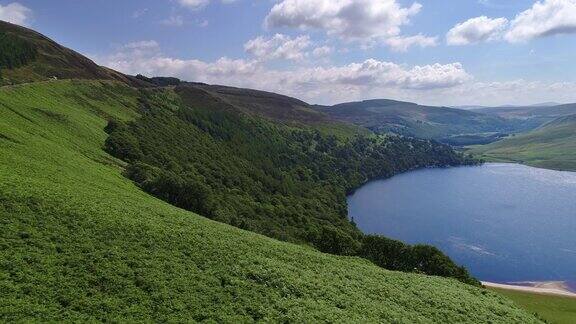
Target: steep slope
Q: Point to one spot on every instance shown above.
(454, 126)
(199, 152)
(551, 146)
(50, 60)
(272, 106)
(79, 242)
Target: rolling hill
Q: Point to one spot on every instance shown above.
(551, 146)
(449, 125)
(50, 60)
(88, 166)
(531, 116)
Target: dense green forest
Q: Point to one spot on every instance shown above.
(199, 153)
(14, 52)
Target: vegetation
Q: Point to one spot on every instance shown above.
(14, 52)
(553, 309)
(552, 146)
(203, 155)
(79, 242)
(395, 255)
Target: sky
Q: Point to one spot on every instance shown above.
(464, 52)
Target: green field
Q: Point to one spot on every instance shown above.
(552, 146)
(553, 309)
(80, 242)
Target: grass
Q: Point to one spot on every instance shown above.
(553, 309)
(79, 242)
(551, 147)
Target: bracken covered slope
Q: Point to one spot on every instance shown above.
(80, 242)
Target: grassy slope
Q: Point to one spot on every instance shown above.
(554, 309)
(552, 146)
(79, 241)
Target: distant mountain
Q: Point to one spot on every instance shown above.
(551, 146)
(35, 57)
(545, 112)
(449, 125)
(546, 104)
(531, 116)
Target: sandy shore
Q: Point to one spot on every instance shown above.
(558, 288)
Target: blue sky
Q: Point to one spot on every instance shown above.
(466, 52)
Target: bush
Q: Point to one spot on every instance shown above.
(395, 255)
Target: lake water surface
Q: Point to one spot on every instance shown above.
(504, 222)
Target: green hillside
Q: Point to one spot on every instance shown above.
(449, 125)
(552, 146)
(81, 242)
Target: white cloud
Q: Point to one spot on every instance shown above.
(518, 92)
(322, 51)
(476, 30)
(403, 43)
(366, 21)
(194, 4)
(174, 21)
(199, 4)
(434, 84)
(316, 84)
(142, 45)
(16, 13)
(545, 18)
(279, 47)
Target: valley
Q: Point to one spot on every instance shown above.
(152, 199)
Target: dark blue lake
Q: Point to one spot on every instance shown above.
(504, 222)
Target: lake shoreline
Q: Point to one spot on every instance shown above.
(555, 288)
(484, 218)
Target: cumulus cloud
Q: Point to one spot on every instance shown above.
(318, 84)
(279, 47)
(545, 18)
(285, 47)
(476, 30)
(353, 20)
(434, 84)
(16, 13)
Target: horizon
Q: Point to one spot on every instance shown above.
(474, 53)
